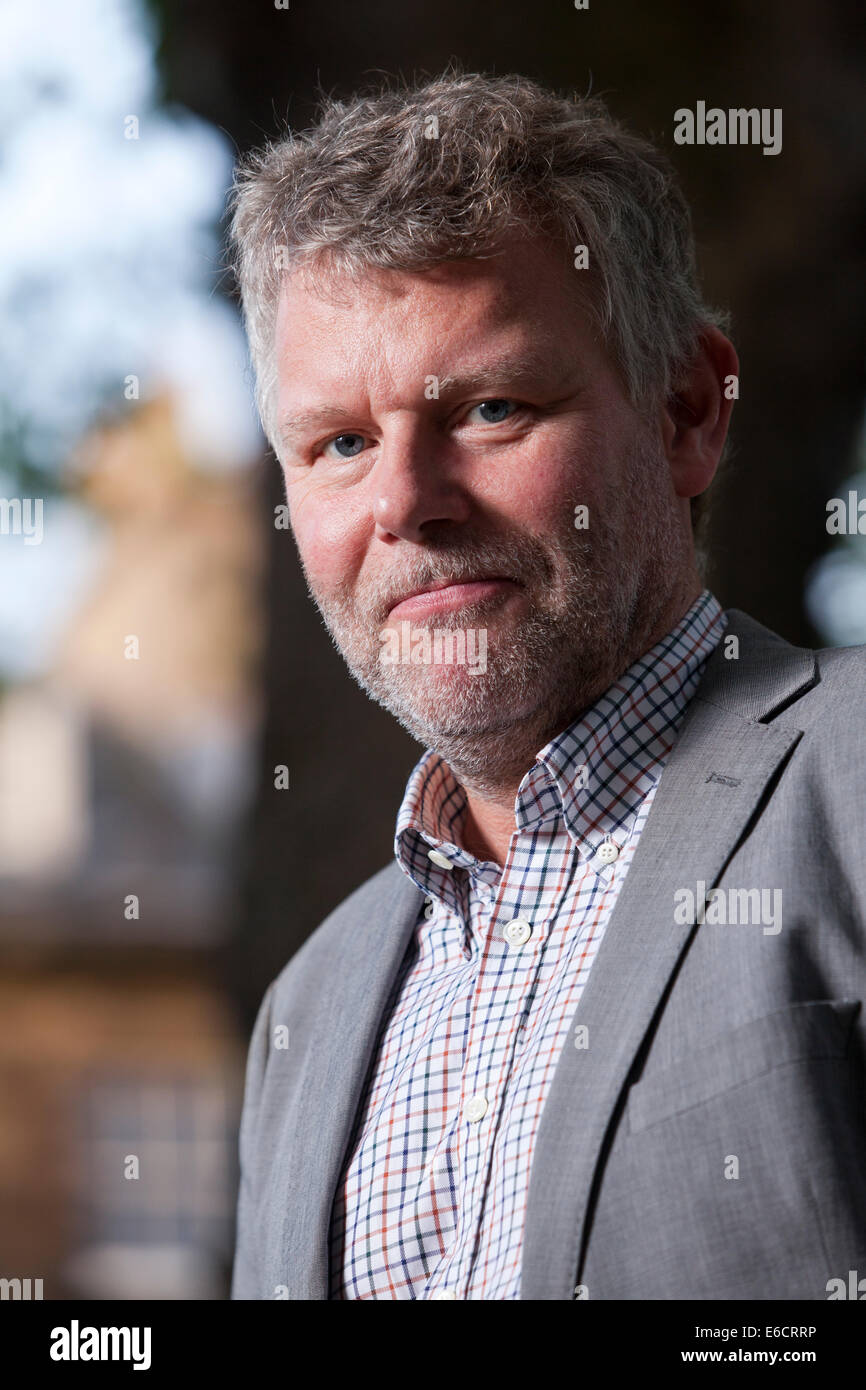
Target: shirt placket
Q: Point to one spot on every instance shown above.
(501, 987)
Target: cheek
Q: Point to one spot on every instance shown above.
(330, 532)
(559, 470)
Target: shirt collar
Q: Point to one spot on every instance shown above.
(594, 775)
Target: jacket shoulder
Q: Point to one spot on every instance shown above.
(835, 710)
(323, 945)
(835, 706)
(840, 665)
(770, 679)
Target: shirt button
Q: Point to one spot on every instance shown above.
(476, 1108)
(607, 852)
(518, 932)
(444, 1293)
(437, 857)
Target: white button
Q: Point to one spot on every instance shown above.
(437, 857)
(607, 852)
(476, 1108)
(518, 932)
(444, 1293)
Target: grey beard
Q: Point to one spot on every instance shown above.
(488, 728)
(602, 592)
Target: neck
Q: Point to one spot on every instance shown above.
(489, 823)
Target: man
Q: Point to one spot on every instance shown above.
(596, 1031)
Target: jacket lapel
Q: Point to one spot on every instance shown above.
(340, 1027)
(693, 828)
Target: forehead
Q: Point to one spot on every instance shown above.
(527, 295)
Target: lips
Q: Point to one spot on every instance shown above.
(447, 594)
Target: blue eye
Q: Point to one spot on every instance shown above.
(494, 412)
(348, 446)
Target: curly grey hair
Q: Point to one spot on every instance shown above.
(409, 176)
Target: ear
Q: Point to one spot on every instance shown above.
(694, 421)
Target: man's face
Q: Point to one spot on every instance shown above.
(441, 429)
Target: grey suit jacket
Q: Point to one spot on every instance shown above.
(705, 1137)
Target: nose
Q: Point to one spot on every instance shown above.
(415, 489)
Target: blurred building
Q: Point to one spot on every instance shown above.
(125, 773)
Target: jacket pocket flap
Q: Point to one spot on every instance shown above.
(818, 1028)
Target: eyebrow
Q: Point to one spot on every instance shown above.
(293, 425)
(530, 366)
(527, 367)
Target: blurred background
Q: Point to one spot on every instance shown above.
(189, 781)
